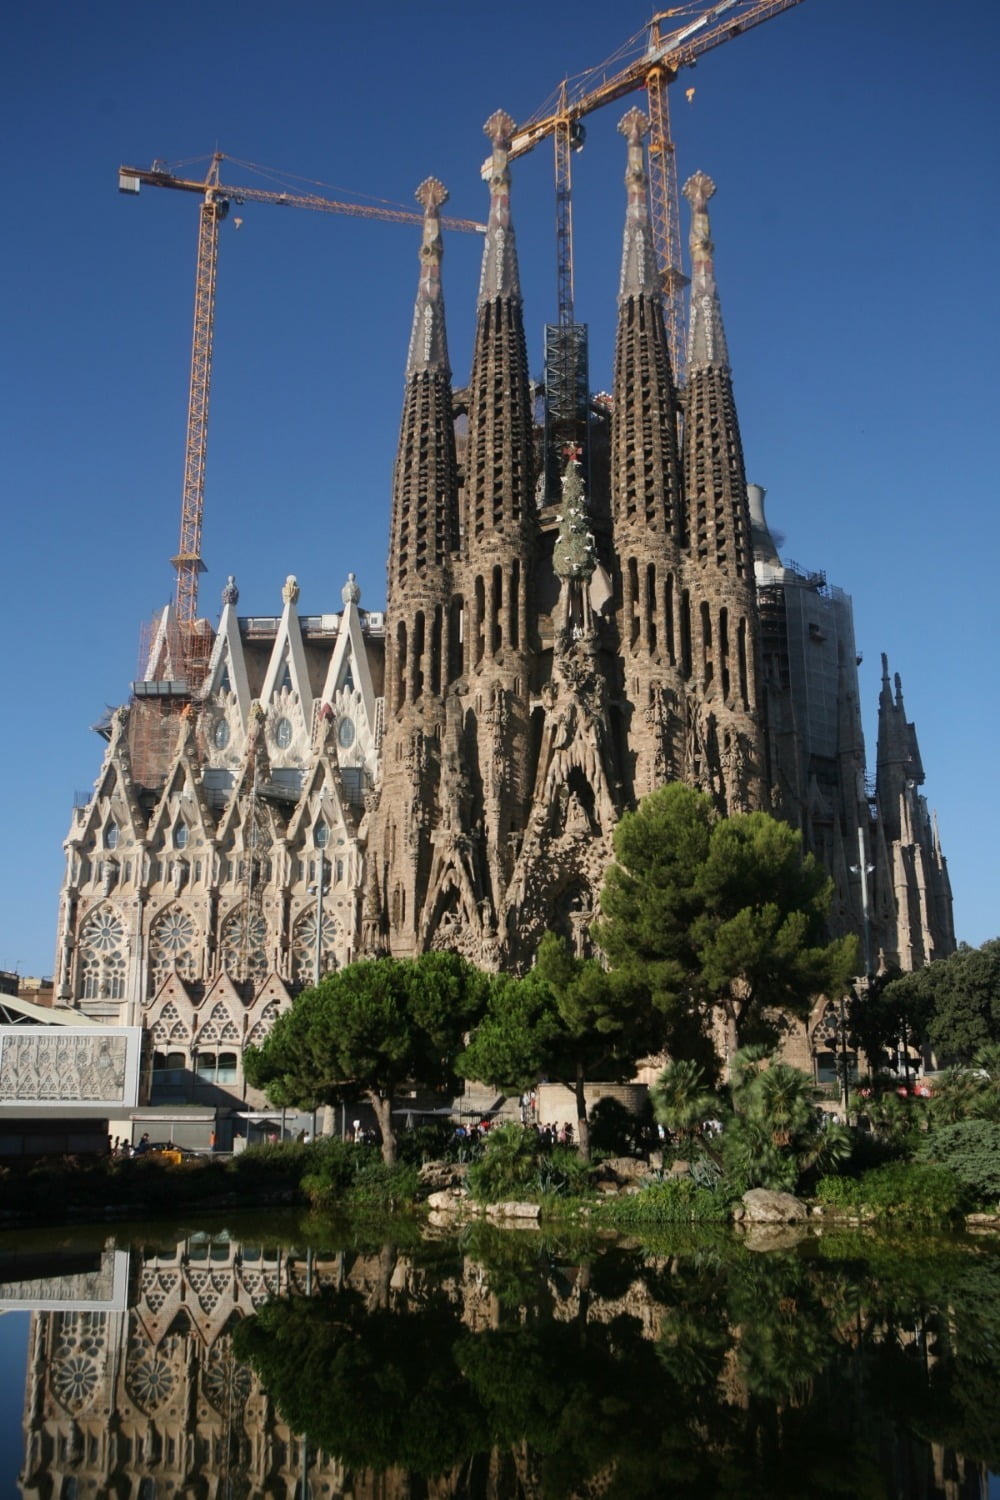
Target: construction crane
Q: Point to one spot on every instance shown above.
(661, 56)
(216, 199)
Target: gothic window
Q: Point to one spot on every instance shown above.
(102, 956)
(216, 1067)
(304, 946)
(173, 943)
(169, 1030)
(321, 835)
(243, 952)
(181, 836)
(111, 835)
(173, 1063)
(264, 1024)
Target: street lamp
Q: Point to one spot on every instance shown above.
(864, 869)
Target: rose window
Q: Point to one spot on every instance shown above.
(74, 1381)
(174, 931)
(225, 1383)
(102, 931)
(243, 952)
(304, 946)
(102, 962)
(151, 1381)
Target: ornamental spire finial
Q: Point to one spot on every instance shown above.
(499, 276)
(706, 338)
(428, 342)
(638, 259)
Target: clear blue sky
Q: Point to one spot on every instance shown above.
(854, 145)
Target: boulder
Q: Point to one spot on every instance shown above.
(448, 1200)
(513, 1210)
(765, 1206)
(624, 1169)
(437, 1175)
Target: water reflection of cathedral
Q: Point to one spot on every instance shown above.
(147, 1401)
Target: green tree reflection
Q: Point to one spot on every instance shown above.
(701, 1369)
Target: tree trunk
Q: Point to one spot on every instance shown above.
(383, 1116)
(582, 1123)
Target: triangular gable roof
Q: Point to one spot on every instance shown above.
(323, 774)
(289, 649)
(162, 664)
(273, 988)
(227, 655)
(350, 650)
(222, 989)
(114, 780)
(183, 778)
(168, 1015)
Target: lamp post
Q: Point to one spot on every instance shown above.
(318, 956)
(864, 869)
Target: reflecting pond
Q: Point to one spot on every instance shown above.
(288, 1357)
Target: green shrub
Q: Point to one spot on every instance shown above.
(379, 1186)
(330, 1171)
(676, 1201)
(900, 1192)
(563, 1172)
(839, 1192)
(971, 1150)
(508, 1167)
(434, 1140)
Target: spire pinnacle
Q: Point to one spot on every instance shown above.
(706, 338)
(499, 275)
(428, 343)
(638, 275)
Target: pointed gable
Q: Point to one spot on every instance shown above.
(348, 678)
(227, 671)
(286, 696)
(222, 991)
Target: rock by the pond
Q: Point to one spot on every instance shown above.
(513, 1210)
(448, 1200)
(765, 1206)
(623, 1169)
(437, 1175)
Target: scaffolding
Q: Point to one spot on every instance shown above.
(173, 663)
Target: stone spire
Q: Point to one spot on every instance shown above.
(706, 337)
(422, 629)
(917, 873)
(645, 470)
(428, 343)
(424, 528)
(646, 491)
(639, 276)
(499, 276)
(499, 489)
(720, 624)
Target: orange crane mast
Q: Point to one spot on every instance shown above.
(661, 55)
(216, 200)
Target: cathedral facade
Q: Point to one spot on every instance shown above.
(287, 793)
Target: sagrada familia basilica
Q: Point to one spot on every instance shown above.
(564, 632)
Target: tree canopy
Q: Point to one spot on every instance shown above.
(718, 915)
(567, 1020)
(963, 993)
(368, 1029)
